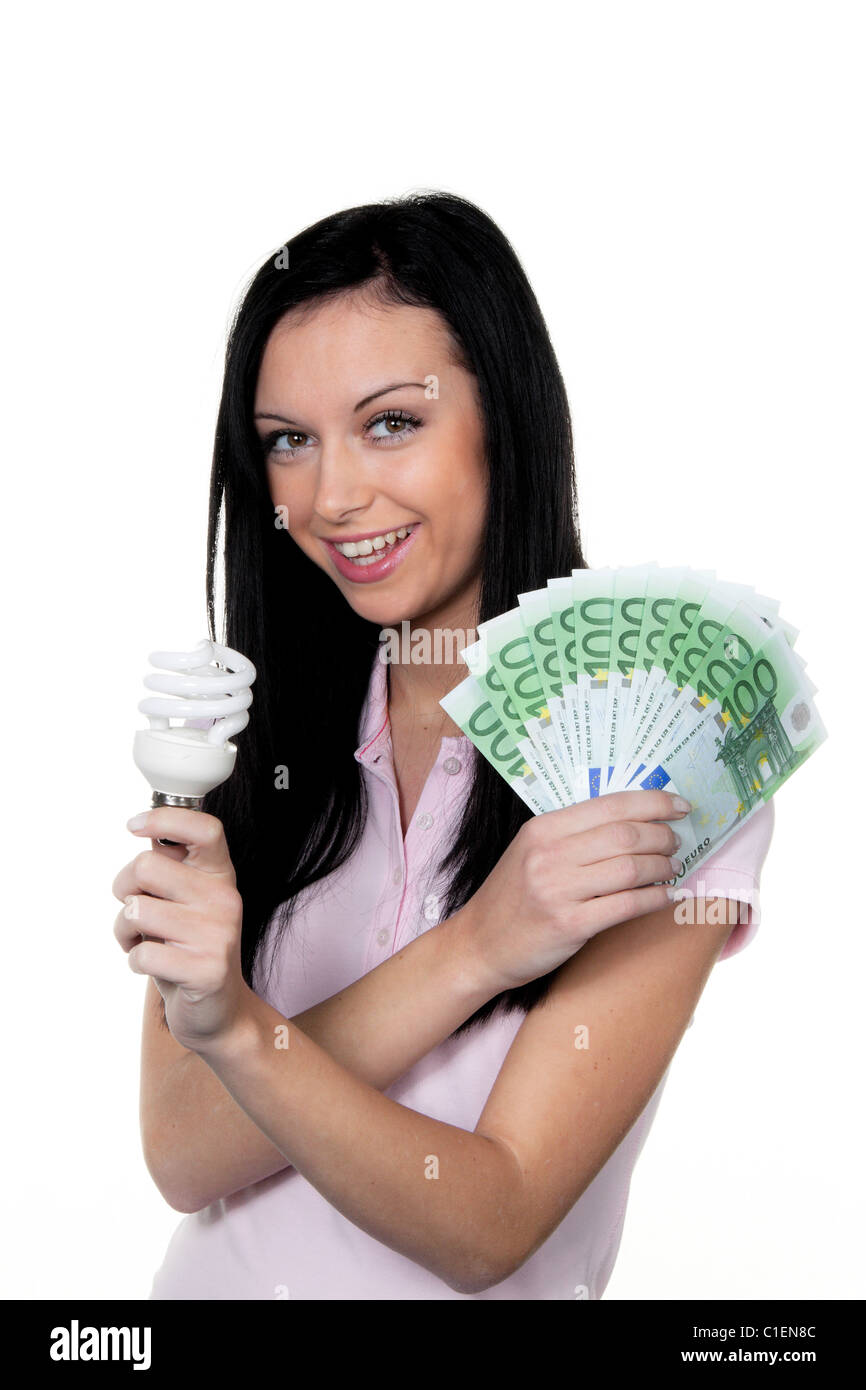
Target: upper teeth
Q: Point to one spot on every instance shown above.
(353, 548)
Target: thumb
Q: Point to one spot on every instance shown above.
(194, 837)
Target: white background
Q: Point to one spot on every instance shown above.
(683, 183)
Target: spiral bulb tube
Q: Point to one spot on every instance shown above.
(182, 763)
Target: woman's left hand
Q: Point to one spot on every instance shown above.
(182, 923)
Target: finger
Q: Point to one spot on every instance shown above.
(598, 913)
(143, 918)
(201, 834)
(651, 804)
(619, 837)
(171, 851)
(620, 874)
(126, 932)
(170, 963)
(163, 877)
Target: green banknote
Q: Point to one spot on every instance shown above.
(504, 647)
(637, 678)
(698, 616)
(497, 687)
(471, 710)
(629, 600)
(752, 735)
(538, 623)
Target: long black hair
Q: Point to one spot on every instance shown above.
(431, 250)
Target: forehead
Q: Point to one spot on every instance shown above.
(349, 347)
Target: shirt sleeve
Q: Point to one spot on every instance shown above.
(734, 871)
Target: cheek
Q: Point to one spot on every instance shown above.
(467, 501)
(466, 477)
(292, 497)
(276, 486)
(461, 527)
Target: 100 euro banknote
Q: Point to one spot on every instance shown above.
(637, 678)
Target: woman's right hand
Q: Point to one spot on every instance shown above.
(566, 876)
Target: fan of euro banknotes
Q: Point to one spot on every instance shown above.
(641, 677)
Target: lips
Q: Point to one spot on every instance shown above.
(365, 569)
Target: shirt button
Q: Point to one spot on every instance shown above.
(431, 907)
(397, 877)
(382, 936)
(451, 765)
(425, 821)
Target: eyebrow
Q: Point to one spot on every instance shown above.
(383, 391)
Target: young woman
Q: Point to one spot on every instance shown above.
(369, 963)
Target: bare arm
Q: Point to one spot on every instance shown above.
(200, 1145)
(553, 1118)
(562, 879)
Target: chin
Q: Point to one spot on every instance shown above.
(383, 615)
(387, 611)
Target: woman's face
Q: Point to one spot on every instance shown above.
(370, 430)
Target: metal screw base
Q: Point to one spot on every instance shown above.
(194, 803)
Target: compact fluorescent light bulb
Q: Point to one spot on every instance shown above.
(182, 764)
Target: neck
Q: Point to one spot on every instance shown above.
(424, 665)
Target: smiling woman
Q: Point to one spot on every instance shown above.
(415, 1038)
(353, 485)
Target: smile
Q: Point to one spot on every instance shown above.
(363, 549)
(374, 556)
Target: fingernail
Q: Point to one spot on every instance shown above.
(676, 865)
(138, 822)
(680, 804)
(677, 841)
(673, 893)
(130, 908)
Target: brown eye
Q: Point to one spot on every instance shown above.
(272, 444)
(398, 424)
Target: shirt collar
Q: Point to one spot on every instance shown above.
(373, 727)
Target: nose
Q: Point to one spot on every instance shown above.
(342, 484)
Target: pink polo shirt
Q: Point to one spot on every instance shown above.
(280, 1238)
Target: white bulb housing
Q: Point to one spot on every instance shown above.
(182, 763)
